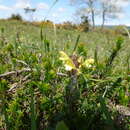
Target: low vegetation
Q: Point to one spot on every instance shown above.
(16, 17)
(63, 79)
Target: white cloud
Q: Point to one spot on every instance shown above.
(61, 9)
(2, 7)
(120, 15)
(54, 15)
(20, 4)
(118, 3)
(42, 6)
(122, 3)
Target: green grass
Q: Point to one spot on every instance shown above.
(42, 98)
(30, 35)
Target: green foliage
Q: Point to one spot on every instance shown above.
(114, 53)
(16, 17)
(120, 30)
(81, 50)
(76, 44)
(39, 93)
(61, 126)
(84, 25)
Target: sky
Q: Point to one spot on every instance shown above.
(61, 11)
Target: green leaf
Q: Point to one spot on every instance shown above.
(76, 44)
(61, 126)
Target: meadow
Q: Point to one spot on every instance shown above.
(58, 79)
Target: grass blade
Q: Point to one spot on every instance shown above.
(76, 44)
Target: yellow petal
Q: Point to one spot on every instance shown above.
(68, 68)
(68, 63)
(80, 59)
(63, 56)
(88, 63)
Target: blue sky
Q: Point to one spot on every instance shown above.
(62, 11)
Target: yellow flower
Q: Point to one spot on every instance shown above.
(80, 59)
(88, 63)
(68, 63)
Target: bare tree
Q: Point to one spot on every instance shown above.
(106, 9)
(111, 9)
(90, 5)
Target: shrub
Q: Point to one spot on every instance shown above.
(16, 17)
(47, 23)
(106, 31)
(84, 25)
(119, 30)
(67, 25)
